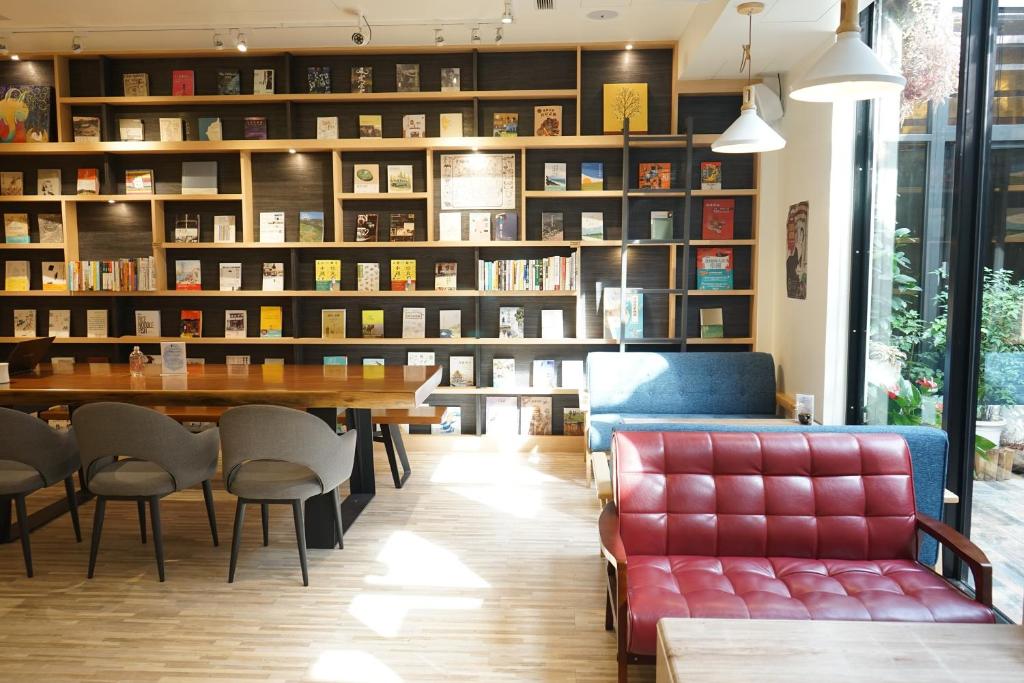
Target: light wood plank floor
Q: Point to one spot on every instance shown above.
(483, 568)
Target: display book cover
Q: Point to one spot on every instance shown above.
(715, 268)
(719, 219)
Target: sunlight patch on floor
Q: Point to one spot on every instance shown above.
(504, 470)
(351, 666)
(385, 614)
(412, 560)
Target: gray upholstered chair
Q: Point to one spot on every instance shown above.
(279, 455)
(134, 453)
(34, 456)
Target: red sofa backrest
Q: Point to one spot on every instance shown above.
(779, 494)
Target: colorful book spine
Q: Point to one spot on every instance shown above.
(121, 275)
(554, 273)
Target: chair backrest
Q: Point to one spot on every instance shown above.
(682, 383)
(284, 434)
(30, 441)
(779, 494)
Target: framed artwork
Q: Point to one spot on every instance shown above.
(622, 101)
(478, 181)
(796, 251)
(24, 113)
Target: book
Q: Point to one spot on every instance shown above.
(502, 416)
(414, 126)
(592, 225)
(572, 422)
(414, 323)
(335, 360)
(714, 268)
(547, 120)
(403, 227)
(138, 181)
(449, 323)
(711, 324)
(366, 227)
(370, 126)
(147, 324)
(403, 275)
(271, 226)
(655, 176)
(273, 276)
(48, 182)
(262, 81)
(368, 277)
(327, 128)
(503, 373)
(373, 323)
(16, 228)
(506, 226)
(554, 177)
(451, 124)
(373, 362)
(552, 324)
(88, 181)
(407, 77)
(85, 128)
(460, 371)
(273, 361)
(255, 128)
(131, 130)
(223, 229)
(318, 79)
(332, 323)
(399, 178)
(450, 226)
(479, 226)
(451, 79)
(135, 85)
(366, 178)
(421, 358)
(171, 130)
(327, 275)
(545, 374)
(505, 124)
(634, 313)
(183, 82)
(362, 79)
(718, 219)
(271, 322)
(573, 376)
(511, 322)
(51, 229)
(551, 226)
(12, 183)
(199, 177)
(236, 324)
(229, 82)
(535, 415)
(186, 228)
(711, 175)
(240, 359)
(96, 323)
(24, 322)
(59, 323)
(191, 323)
(592, 176)
(621, 101)
(661, 225)
(55, 276)
(210, 128)
(311, 226)
(188, 275)
(446, 276)
(230, 277)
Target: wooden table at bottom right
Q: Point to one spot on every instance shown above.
(740, 651)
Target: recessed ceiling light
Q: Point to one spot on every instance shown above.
(506, 16)
(602, 14)
(15, 58)
(629, 46)
(111, 201)
(291, 150)
(241, 43)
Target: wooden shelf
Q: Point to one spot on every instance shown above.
(517, 391)
(302, 293)
(722, 243)
(380, 196)
(52, 198)
(744, 341)
(573, 194)
(283, 98)
(720, 292)
(34, 246)
(678, 194)
(318, 341)
(154, 197)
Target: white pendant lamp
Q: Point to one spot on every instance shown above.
(749, 133)
(849, 70)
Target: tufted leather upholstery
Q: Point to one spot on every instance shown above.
(782, 525)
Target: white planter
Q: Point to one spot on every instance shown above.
(990, 429)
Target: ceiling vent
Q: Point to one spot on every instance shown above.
(545, 4)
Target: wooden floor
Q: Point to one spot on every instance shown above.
(483, 568)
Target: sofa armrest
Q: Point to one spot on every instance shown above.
(611, 541)
(962, 547)
(786, 404)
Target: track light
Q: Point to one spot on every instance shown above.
(438, 37)
(241, 44)
(629, 46)
(218, 41)
(506, 17)
(77, 44)
(499, 35)
(292, 150)
(474, 35)
(15, 58)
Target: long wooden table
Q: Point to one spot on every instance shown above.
(320, 390)
(741, 650)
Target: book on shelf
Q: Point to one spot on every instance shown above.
(236, 324)
(407, 77)
(51, 229)
(535, 415)
(271, 226)
(131, 130)
(171, 129)
(327, 128)
(318, 79)
(210, 129)
(403, 275)
(186, 228)
(502, 416)
(199, 177)
(24, 322)
(655, 175)
(714, 268)
(399, 178)
(377, 362)
(451, 422)
(662, 225)
(718, 219)
(16, 276)
(230, 277)
(592, 176)
(16, 228)
(332, 323)
(414, 323)
(371, 126)
(511, 322)
(55, 276)
(366, 178)
(403, 227)
(263, 82)
(183, 83)
(48, 182)
(229, 82)
(451, 124)
(59, 323)
(273, 276)
(311, 226)
(362, 79)
(88, 181)
(119, 275)
(366, 227)
(421, 358)
(554, 176)
(449, 323)
(138, 181)
(12, 183)
(547, 119)
(552, 273)
(239, 359)
(503, 373)
(85, 128)
(191, 323)
(460, 371)
(373, 323)
(188, 275)
(223, 229)
(552, 323)
(545, 374)
(450, 226)
(505, 124)
(479, 226)
(135, 84)
(634, 312)
(711, 175)
(446, 276)
(592, 226)
(96, 323)
(271, 318)
(506, 226)
(273, 361)
(335, 360)
(147, 324)
(552, 226)
(255, 128)
(327, 275)
(368, 277)
(711, 323)
(414, 126)
(572, 422)
(451, 79)
(573, 376)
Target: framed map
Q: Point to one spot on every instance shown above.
(478, 181)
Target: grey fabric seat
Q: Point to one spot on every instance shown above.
(134, 453)
(267, 479)
(34, 456)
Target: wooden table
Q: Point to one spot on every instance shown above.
(321, 390)
(740, 650)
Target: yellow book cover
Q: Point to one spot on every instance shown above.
(373, 323)
(328, 275)
(16, 276)
(332, 323)
(270, 321)
(403, 275)
(625, 101)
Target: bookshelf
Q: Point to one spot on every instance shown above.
(292, 171)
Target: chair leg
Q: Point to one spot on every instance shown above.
(609, 617)
(300, 538)
(236, 538)
(336, 502)
(158, 541)
(26, 548)
(97, 529)
(142, 519)
(69, 488)
(210, 513)
(265, 517)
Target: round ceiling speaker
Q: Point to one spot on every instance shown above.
(602, 14)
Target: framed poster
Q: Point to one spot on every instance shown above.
(478, 181)
(796, 251)
(625, 101)
(24, 113)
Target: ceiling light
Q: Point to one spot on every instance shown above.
(438, 37)
(506, 16)
(241, 44)
(749, 133)
(499, 35)
(629, 46)
(77, 44)
(291, 150)
(849, 70)
(15, 58)
(474, 35)
(111, 201)
(218, 41)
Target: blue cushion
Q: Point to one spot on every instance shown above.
(599, 436)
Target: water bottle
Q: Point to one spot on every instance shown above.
(136, 361)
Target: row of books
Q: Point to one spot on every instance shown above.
(16, 228)
(657, 175)
(119, 275)
(527, 416)
(552, 273)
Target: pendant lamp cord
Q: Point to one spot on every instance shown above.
(745, 62)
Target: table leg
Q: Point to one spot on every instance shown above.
(5, 521)
(12, 532)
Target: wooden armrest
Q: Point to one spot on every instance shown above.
(786, 404)
(611, 542)
(962, 547)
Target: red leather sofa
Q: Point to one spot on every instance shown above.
(781, 525)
